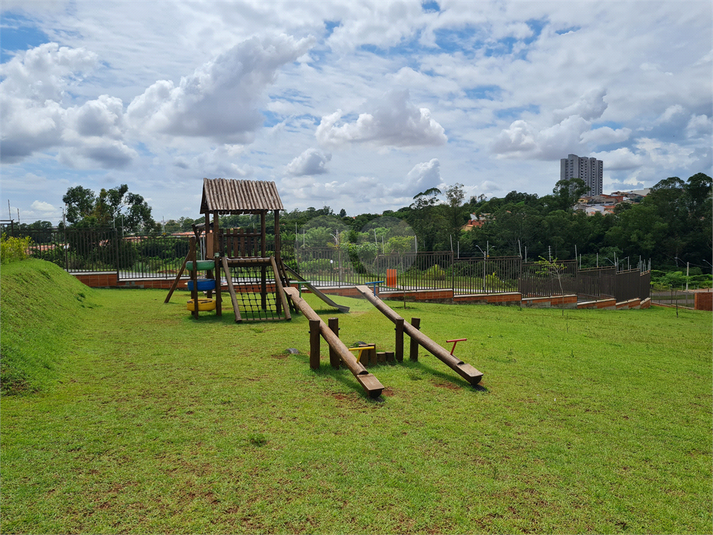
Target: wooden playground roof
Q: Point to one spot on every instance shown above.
(228, 196)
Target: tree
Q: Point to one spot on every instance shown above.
(116, 207)
(456, 213)
(424, 219)
(552, 269)
(566, 193)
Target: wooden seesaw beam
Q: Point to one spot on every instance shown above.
(367, 380)
(466, 371)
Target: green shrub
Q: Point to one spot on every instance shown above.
(13, 249)
(436, 273)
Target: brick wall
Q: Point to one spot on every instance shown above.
(703, 301)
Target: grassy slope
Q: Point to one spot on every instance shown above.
(597, 422)
(40, 306)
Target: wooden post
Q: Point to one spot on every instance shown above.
(277, 236)
(263, 244)
(231, 289)
(218, 296)
(194, 275)
(416, 323)
(217, 253)
(399, 350)
(333, 355)
(281, 301)
(314, 344)
(208, 237)
(178, 276)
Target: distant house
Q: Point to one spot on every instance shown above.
(477, 221)
(605, 204)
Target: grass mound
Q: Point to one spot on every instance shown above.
(40, 307)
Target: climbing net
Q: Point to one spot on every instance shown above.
(256, 292)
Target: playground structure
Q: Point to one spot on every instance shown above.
(259, 286)
(254, 279)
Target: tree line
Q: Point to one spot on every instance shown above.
(671, 226)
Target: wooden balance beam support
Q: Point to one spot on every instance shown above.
(466, 371)
(368, 381)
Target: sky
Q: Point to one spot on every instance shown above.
(356, 105)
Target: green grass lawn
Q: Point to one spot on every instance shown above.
(146, 420)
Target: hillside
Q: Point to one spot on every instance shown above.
(41, 306)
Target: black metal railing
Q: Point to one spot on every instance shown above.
(160, 257)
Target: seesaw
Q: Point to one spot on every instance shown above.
(367, 380)
(468, 372)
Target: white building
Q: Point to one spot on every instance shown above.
(590, 170)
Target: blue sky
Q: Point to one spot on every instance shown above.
(354, 105)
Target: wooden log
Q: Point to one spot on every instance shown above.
(468, 372)
(218, 294)
(399, 349)
(333, 355)
(252, 261)
(416, 323)
(194, 275)
(174, 285)
(372, 356)
(314, 344)
(390, 356)
(281, 297)
(381, 357)
(370, 383)
(231, 289)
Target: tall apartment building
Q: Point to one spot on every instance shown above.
(590, 170)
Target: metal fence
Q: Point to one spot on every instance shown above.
(160, 257)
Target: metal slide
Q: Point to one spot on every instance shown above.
(316, 292)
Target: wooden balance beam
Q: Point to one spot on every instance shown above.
(466, 371)
(368, 381)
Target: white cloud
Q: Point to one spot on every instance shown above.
(395, 122)
(45, 72)
(518, 139)
(589, 107)
(671, 113)
(619, 159)
(423, 176)
(31, 94)
(101, 117)
(699, 126)
(665, 155)
(41, 206)
(95, 151)
(606, 136)
(310, 162)
(521, 140)
(531, 81)
(224, 161)
(220, 99)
